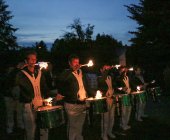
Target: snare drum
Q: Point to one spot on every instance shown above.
(124, 99)
(49, 116)
(98, 105)
(140, 96)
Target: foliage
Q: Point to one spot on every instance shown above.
(78, 31)
(150, 44)
(7, 38)
(152, 35)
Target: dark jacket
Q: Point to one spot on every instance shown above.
(102, 85)
(9, 82)
(26, 88)
(70, 87)
(119, 83)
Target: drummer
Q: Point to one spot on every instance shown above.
(105, 85)
(75, 90)
(32, 90)
(122, 86)
(138, 80)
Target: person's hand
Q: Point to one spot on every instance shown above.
(59, 97)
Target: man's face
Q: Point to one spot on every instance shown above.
(74, 64)
(138, 71)
(31, 60)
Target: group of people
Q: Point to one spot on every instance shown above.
(32, 85)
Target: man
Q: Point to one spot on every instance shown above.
(122, 86)
(138, 80)
(75, 91)
(105, 85)
(32, 90)
(11, 100)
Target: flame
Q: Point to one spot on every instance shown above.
(117, 66)
(153, 81)
(48, 101)
(131, 69)
(98, 95)
(43, 65)
(120, 88)
(138, 88)
(90, 63)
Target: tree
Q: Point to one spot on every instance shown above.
(78, 31)
(7, 38)
(150, 44)
(41, 49)
(152, 38)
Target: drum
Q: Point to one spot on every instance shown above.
(98, 105)
(125, 100)
(140, 96)
(49, 116)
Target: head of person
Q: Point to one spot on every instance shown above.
(137, 70)
(105, 67)
(122, 70)
(74, 62)
(31, 59)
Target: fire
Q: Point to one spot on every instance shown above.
(117, 66)
(98, 95)
(131, 69)
(48, 101)
(120, 88)
(90, 63)
(138, 88)
(43, 65)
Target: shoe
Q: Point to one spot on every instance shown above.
(111, 135)
(126, 127)
(105, 138)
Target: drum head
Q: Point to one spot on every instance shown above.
(48, 108)
(138, 92)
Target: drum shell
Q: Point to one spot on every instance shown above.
(140, 97)
(125, 100)
(99, 106)
(50, 118)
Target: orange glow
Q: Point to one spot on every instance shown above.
(98, 95)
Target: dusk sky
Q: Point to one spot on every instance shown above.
(47, 19)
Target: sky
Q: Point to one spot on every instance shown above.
(47, 20)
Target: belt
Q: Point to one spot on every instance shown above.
(75, 102)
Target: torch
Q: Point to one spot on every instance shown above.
(42, 65)
(89, 64)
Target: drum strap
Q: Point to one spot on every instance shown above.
(109, 84)
(81, 93)
(37, 101)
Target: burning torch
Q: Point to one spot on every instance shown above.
(42, 65)
(89, 64)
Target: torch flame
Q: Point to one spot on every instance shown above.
(117, 66)
(48, 101)
(98, 95)
(131, 69)
(43, 65)
(120, 88)
(138, 88)
(90, 63)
